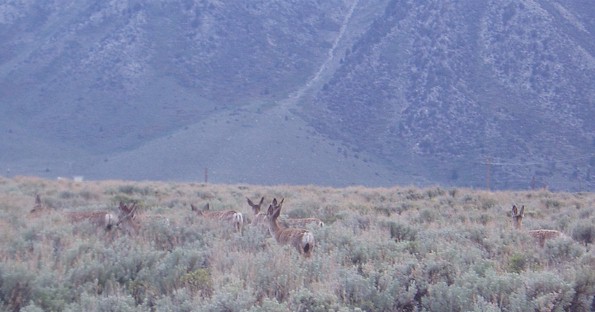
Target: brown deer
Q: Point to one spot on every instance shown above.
(39, 206)
(541, 235)
(107, 220)
(304, 222)
(260, 217)
(234, 218)
(301, 239)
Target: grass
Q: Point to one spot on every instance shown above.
(382, 249)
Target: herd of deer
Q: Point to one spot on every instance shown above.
(289, 232)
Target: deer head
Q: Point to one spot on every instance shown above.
(200, 212)
(38, 207)
(517, 216)
(255, 207)
(125, 217)
(260, 217)
(272, 214)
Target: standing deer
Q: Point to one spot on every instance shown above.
(541, 235)
(301, 239)
(107, 220)
(234, 218)
(260, 217)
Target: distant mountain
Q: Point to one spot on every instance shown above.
(337, 93)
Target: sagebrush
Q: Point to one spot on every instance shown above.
(380, 249)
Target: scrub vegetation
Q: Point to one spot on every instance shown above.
(380, 249)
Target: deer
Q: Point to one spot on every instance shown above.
(260, 217)
(107, 220)
(541, 235)
(304, 222)
(301, 239)
(39, 206)
(231, 217)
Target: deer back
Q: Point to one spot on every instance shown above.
(303, 222)
(542, 235)
(107, 220)
(99, 218)
(227, 216)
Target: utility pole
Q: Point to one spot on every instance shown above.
(488, 164)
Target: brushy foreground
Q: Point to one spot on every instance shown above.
(381, 249)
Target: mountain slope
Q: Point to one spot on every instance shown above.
(462, 85)
(334, 92)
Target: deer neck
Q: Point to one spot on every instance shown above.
(274, 228)
(518, 222)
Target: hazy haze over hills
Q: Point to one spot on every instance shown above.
(301, 92)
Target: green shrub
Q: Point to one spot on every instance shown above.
(517, 263)
(548, 292)
(92, 303)
(562, 250)
(304, 300)
(488, 203)
(427, 216)
(133, 189)
(16, 286)
(199, 281)
(552, 203)
(352, 288)
(270, 305)
(231, 296)
(401, 232)
(584, 232)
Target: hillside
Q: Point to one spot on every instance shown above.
(332, 93)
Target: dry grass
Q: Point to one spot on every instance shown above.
(400, 249)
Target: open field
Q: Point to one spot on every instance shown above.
(381, 249)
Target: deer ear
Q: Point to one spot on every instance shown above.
(276, 213)
(207, 207)
(249, 202)
(271, 210)
(281, 202)
(514, 210)
(274, 201)
(261, 201)
(522, 213)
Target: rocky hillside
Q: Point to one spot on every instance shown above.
(336, 92)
